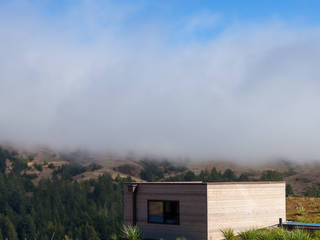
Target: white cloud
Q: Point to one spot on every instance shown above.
(250, 93)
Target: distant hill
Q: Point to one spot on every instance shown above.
(83, 165)
(301, 176)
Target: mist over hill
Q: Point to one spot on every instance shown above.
(248, 93)
(45, 163)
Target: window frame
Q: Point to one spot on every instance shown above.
(163, 213)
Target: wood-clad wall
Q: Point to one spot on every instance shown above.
(193, 210)
(127, 204)
(244, 206)
(205, 209)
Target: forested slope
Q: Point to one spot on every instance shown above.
(68, 209)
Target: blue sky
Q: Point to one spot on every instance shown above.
(231, 10)
(172, 13)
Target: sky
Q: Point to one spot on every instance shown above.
(236, 80)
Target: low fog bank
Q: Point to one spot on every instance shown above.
(250, 93)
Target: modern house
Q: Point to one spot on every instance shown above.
(199, 210)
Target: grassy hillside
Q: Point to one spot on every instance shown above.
(303, 178)
(303, 209)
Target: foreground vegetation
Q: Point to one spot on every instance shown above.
(133, 233)
(271, 234)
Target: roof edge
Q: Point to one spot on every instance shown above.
(258, 182)
(207, 183)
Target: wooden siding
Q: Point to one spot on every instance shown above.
(244, 206)
(127, 202)
(193, 210)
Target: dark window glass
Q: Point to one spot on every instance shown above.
(171, 212)
(166, 212)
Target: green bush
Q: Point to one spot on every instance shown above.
(51, 166)
(251, 234)
(271, 234)
(299, 235)
(265, 235)
(301, 210)
(114, 237)
(280, 234)
(316, 235)
(289, 190)
(271, 175)
(38, 167)
(228, 234)
(131, 233)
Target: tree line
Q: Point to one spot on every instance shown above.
(158, 170)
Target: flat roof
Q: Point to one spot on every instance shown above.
(207, 183)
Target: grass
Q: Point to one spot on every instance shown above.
(250, 234)
(303, 209)
(271, 234)
(228, 234)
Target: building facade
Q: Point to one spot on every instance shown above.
(199, 211)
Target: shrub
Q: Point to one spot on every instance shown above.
(152, 171)
(128, 169)
(228, 234)
(68, 171)
(316, 235)
(280, 234)
(271, 175)
(276, 234)
(299, 235)
(114, 237)
(265, 235)
(31, 176)
(94, 167)
(51, 166)
(251, 234)
(300, 210)
(38, 167)
(289, 190)
(131, 233)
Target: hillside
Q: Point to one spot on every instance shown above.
(77, 195)
(303, 209)
(42, 200)
(83, 165)
(301, 176)
(44, 163)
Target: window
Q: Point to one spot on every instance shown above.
(165, 212)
